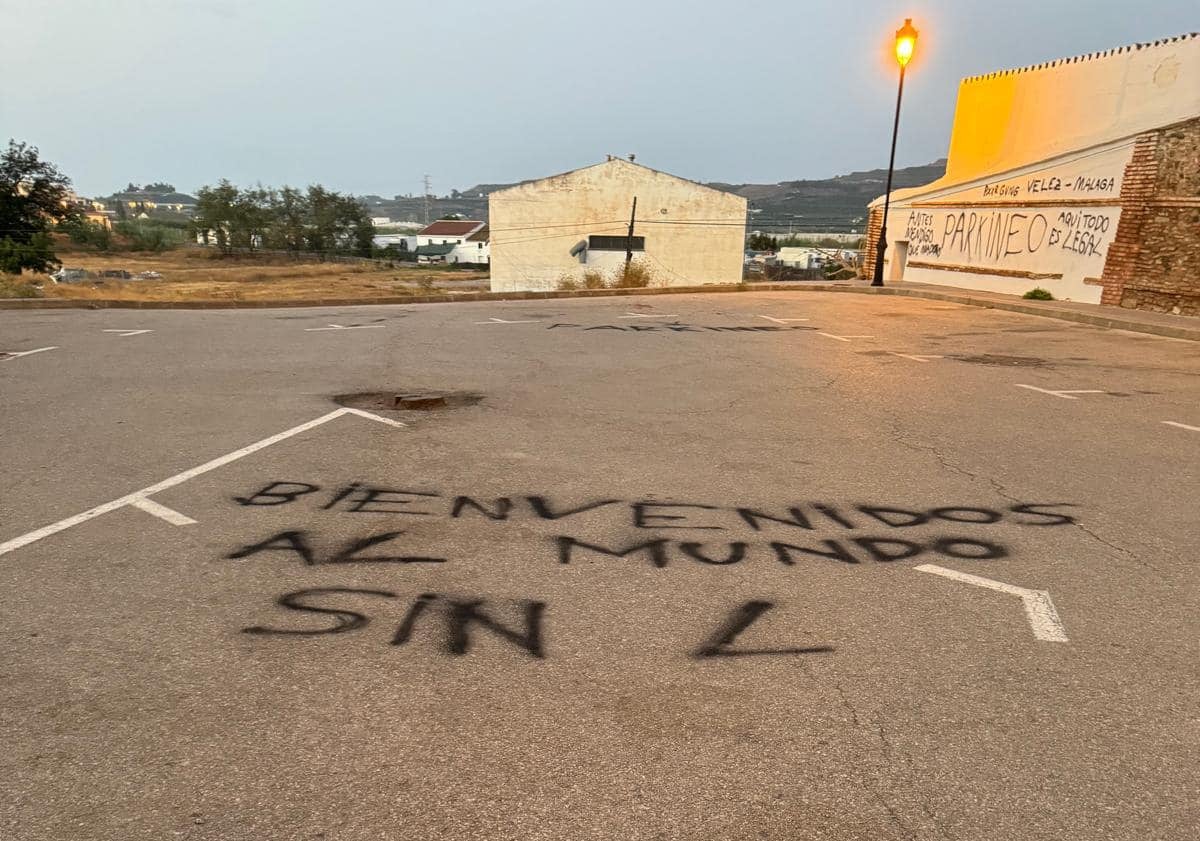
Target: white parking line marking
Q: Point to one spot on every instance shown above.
(1039, 609)
(124, 333)
(374, 417)
(502, 321)
(13, 354)
(341, 327)
(162, 512)
(1065, 394)
(916, 357)
(179, 478)
(843, 338)
(1182, 426)
(636, 315)
(781, 320)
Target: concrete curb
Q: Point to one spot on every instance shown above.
(1100, 318)
(450, 298)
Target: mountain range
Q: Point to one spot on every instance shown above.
(824, 205)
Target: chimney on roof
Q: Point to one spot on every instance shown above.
(608, 157)
(632, 157)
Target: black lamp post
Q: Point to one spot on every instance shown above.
(906, 45)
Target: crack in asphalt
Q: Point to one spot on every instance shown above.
(885, 752)
(1003, 491)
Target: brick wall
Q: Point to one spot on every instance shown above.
(874, 223)
(1154, 260)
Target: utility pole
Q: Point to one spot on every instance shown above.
(428, 188)
(629, 238)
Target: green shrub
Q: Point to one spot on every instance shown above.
(83, 232)
(145, 235)
(1037, 293)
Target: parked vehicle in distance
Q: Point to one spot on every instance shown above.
(151, 275)
(120, 274)
(65, 275)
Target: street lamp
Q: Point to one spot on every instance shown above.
(906, 45)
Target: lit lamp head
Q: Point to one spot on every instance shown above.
(906, 42)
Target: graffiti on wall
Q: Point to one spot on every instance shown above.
(1093, 176)
(1059, 219)
(1031, 239)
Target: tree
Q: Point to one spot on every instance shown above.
(83, 232)
(159, 188)
(34, 195)
(290, 212)
(762, 242)
(215, 214)
(319, 220)
(364, 236)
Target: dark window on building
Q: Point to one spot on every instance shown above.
(607, 243)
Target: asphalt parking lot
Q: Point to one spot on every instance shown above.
(752, 566)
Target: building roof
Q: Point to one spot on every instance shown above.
(613, 163)
(481, 235)
(439, 250)
(451, 228)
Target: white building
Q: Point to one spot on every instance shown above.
(803, 258)
(454, 241)
(550, 231)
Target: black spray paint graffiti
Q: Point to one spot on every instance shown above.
(362, 497)
(993, 235)
(718, 645)
(781, 537)
(877, 549)
(919, 233)
(778, 533)
(1064, 184)
(1081, 233)
(678, 328)
(996, 236)
(460, 616)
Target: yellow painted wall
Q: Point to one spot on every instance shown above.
(1009, 119)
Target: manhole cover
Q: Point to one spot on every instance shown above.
(408, 400)
(998, 359)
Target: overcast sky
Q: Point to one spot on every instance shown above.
(369, 95)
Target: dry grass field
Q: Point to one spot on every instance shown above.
(201, 275)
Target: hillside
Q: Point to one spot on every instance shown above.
(831, 204)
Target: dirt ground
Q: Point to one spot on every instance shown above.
(200, 274)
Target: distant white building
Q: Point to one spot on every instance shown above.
(403, 241)
(378, 221)
(454, 241)
(802, 258)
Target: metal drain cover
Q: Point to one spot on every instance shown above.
(408, 400)
(420, 401)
